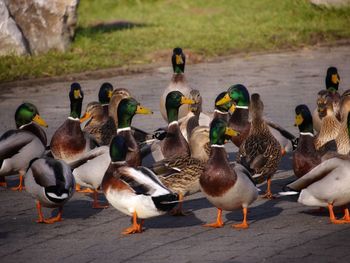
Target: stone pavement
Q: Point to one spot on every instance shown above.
(280, 230)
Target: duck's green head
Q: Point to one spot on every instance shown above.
(219, 131)
(105, 93)
(173, 102)
(118, 149)
(27, 113)
(76, 96)
(303, 119)
(178, 60)
(127, 109)
(226, 107)
(332, 79)
(238, 94)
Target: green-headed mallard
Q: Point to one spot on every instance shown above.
(226, 185)
(104, 97)
(239, 119)
(136, 192)
(18, 147)
(326, 185)
(127, 109)
(174, 143)
(51, 183)
(305, 156)
(69, 142)
(178, 83)
(260, 152)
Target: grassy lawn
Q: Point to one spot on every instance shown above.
(205, 29)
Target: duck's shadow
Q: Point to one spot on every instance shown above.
(78, 209)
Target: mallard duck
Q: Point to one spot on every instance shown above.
(329, 128)
(174, 143)
(222, 111)
(127, 109)
(239, 119)
(101, 128)
(18, 147)
(199, 143)
(178, 83)
(117, 96)
(326, 185)
(69, 142)
(342, 140)
(51, 183)
(305, 157)
(89, 169)
(136, 192)
(260, 152)
(104, 97)
(226, 185)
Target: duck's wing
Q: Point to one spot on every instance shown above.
(89, 156)
(240, 169)
(284, 137)
(142, 181)
(316, 174)
(11, 142)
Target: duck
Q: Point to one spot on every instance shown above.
(102, 129)
(127, 109)
(88, 171)
(226, 185)
(104, 97)
(239, 119)
(19, 146)
(305, 156)
(178, 83)
(342, 140)
(260, 152)
(331, 93)
(326, 185)
(51, 183)
(222, 111)
(69, 142)
(329, 129)
(136, 192)
(199, 143)
(174, 144)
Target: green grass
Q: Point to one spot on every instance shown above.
(202, 28)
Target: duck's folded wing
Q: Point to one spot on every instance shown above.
(89, 156)
(316, 174)
(12, 142)
(142, 181)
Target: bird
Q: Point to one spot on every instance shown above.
(89, 169)
(51, 184)
(342, 139)
(226, 185)
(239, 119)
(136, 192)
(326, 185)
(305, 156)
(174, 143)
(104, 97)
(127, 109)
(177, 83)
(260, 153)
(69, 142)
(18, 147)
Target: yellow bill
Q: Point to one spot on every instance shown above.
(185, 100)
(232, 108)
(85, 117)
(143, 110)
(110, 94)
(77, 94)
(298, 120)
(37, 119)
(224, 100)
(335, 78)
(178, 60)
(231, 132)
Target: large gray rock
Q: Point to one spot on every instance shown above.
(331, 3)
(11, 38)
(46, 24)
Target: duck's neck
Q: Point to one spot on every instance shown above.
(240, 115)
(172, 115)
(124, 121)
(218, 154)
(75, 109)
(306, 128)
(178, 77)
(218, 114)
(105, 108)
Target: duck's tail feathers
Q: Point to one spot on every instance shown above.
(166, 202)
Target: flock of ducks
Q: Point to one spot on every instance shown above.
(189, 153)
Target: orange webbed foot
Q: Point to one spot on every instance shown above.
(241, 226)
(215, 225)
(133, 230)
(18, 188)
(269, 196)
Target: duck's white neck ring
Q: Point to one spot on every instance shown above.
(106, 104)
(307, 133)
(119, 162)
(219, 111)
(73, 119)
(218, 145)
(173, 123)
(242, 107)
(123, 129)
(24, 125)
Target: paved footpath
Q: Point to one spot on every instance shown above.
(280, 230)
